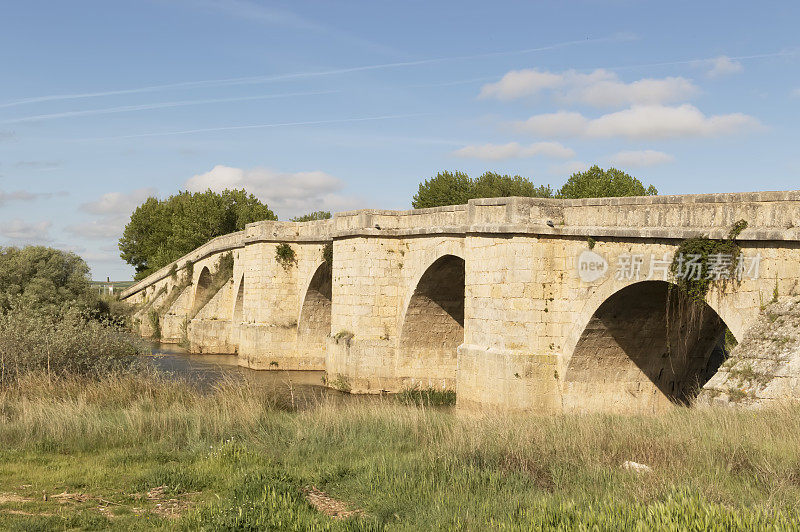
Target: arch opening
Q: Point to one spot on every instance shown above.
(314, 325)
(645, 348)
(201, 293)
(434, 326)
(238, 306)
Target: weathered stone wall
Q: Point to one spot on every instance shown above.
(487, 298)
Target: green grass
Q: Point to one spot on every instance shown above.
(429, 396)
(235, 459)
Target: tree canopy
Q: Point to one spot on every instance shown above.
(456, 188)
(316, 215)
(598, 183)
(162, 231)
(42, 277)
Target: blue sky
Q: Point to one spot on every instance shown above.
(342, 105)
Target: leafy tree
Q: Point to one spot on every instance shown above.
(456, 188)
(40, 277)
(447, 188)
(316, 215)
(161, 231)
(598, 183)
(493, 185)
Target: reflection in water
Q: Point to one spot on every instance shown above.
(297, 388)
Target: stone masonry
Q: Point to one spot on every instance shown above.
(489, 299)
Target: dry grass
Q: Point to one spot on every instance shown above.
(406, 467)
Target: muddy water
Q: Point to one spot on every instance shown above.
(298, 388)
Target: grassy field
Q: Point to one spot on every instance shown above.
(138, 452)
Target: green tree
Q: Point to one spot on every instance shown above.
(41, 277)
(316, 215)
(447, 188)
(598, 183)
(456, 188)
(162, 231)
(493, 185)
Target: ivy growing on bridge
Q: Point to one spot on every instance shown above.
(696, 287)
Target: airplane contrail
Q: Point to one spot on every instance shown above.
(297, 75)
(255, 126)
(160, 105)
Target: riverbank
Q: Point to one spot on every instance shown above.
(141, 452)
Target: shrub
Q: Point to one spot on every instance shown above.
(327, 253)
(155, 324)
(62, 343)
(285, 255)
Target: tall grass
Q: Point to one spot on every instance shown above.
(417, 468)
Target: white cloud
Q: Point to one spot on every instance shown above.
(614, 93)
(519, 83)
(722, 66)
(118, 203)
(640, 122)
(37, 165)
(29, 232)
(24, 195)
(113, 210)
(568, 168)
(600, 88)
(497, 152)
(287, 194)
(560, 124)
(641, 158)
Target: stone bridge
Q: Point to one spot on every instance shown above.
(530, 304)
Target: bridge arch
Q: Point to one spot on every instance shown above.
(314, 322)
(201, 291)
(644, 347)
(433, 325)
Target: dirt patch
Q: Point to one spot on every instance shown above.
(13, 497)
(169, 507)
(328, 505)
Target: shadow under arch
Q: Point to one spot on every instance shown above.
(433, 326)
(201, 292)
(646, 347)
(314, 323)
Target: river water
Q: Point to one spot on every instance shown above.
(299, 389)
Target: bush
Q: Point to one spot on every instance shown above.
(62, 343)
(285, 255)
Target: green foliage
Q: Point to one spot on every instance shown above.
(341, 383)
(61, 343)
(429, 396)
(327, 253)
(42, 277)
(161, 231)
(456, 188)
(155, 324)
(696, 289)
(446, 188)
(493, 185)
(316, 215)
(598, 183)
(285, 255)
